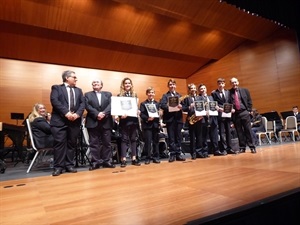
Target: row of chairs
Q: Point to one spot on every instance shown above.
(290, 129)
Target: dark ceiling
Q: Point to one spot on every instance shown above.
(285, 12)
(172, 38)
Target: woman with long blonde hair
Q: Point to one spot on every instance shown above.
(40, 126)
(128, 126)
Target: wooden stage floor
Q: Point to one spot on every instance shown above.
(166, 193)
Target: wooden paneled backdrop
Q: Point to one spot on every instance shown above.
(269, 69)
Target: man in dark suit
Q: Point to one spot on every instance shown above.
(297, 115)
(99, 124)
(209, 126)
(173, 121)
(67, 108)
(242, 104)
(150, 125)
(221, 96)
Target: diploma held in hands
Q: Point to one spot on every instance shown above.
(200, 108)
(124, 106)
(152, 110)
(173, 102)
(212, 111)
(227, 110)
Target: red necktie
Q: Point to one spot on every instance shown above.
(236, 100)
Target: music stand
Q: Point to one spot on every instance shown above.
(271, 116)
(286, 114)
(17, 116)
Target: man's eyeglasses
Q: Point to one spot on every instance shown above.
(74, 77)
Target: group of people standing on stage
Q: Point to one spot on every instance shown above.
(69, 104)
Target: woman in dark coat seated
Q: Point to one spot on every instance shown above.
(39, 120)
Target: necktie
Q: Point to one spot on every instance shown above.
(236, 100)
(223, 96)
(71, 100)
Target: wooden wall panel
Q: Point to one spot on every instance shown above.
(22, 84)
(269, 69)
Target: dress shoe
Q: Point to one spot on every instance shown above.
(135, 162)
(172, 158)
(253, 150)
(109, 165)
(194, 156)
(205, 154)
(242, 150)
(156, 161)
(71, 169)
(94, 166)
(218, 153)
(147, 161)
(123, 163)
(230, 151)
(179, 158)
(57, 172)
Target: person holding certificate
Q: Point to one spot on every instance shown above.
(209, 124)
(172, 117)
(128, 126)
(189, 105)
(150, 125)
(220, 95)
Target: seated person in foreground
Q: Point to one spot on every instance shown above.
(256, 124)
(40, 126)
(297, 115)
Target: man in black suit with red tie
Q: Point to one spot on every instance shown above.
(67, 108)
(221, 96)
(99, 124)
(242, 104)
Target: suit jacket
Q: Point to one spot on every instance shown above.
(216, 94)
(93, 108)
(60, 105)
(41, 131)
(187, 102)
(144, 116)
(169, 116)
(218, 98)
(245, 98)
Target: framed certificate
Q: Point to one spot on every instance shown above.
(124, 106)
(227, 110)
(200, 108)
(152, 110)
(173, 102)
(212, 110)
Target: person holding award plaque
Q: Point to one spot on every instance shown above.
(128, 125)
(242, 104)
(172, 117)
(209, 124)
(150, 125)
(220, 95)
(190, 105)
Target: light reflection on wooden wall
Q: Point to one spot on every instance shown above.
(22, 84)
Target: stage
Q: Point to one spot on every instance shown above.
(191, 192)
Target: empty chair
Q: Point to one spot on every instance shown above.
(271, 130)
(263, 133)
(290, 128)
(38, 151)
